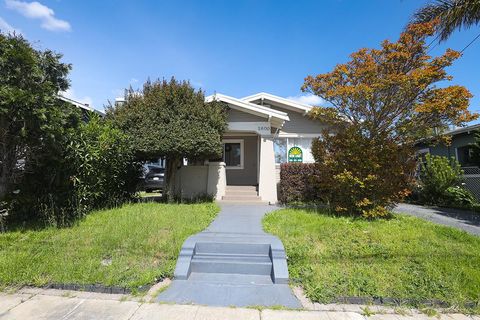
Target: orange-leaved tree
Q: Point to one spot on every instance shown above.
(380, 103)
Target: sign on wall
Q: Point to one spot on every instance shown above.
(295, 154)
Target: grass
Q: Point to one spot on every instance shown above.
(130, 246)
(402, 257)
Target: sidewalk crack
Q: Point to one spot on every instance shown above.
(134, 312)
(68, 314)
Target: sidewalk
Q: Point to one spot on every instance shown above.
(50, 304)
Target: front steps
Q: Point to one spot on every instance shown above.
(232, 258)
(231, 270)
(241, 194)
(232, 263)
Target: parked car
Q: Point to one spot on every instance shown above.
(154, 178)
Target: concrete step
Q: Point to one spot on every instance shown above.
(231, 279)
(232, 248)
(234, 192)
(240, 197)
(230, 266)
(241, 188)
(260, 258)
(259, 202)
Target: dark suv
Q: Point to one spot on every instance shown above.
(154, 178)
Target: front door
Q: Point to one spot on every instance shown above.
(240, 157)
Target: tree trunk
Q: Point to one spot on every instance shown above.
(169, 189)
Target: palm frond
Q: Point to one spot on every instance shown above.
(452, 15)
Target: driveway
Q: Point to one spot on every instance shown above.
(460, 219)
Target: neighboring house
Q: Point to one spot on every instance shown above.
(460, 148)
(86, 109)
(263, 131)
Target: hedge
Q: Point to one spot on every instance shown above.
(297, 182)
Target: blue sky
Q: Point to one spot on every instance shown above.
(233, 47)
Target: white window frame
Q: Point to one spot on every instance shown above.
(242, 150)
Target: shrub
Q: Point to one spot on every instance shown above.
(460, 197)
(297, 182)
(105, 172)
(441, 183)
(91, 167)
(360, 175)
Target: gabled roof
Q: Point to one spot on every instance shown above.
(466, 129)
(80, 105)
(277, 117)
(281, 102)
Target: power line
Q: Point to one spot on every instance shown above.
(438, 35)
(468, 45)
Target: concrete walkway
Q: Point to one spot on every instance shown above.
(460, 219)
(232, 263)
(49, 304)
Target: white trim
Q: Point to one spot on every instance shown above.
(239, 133)
(456, 154)
(299, 135)
(286, 103)
(262, 128)
(242, 153)
(76, 103)
(252, 108)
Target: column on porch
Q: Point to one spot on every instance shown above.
(267, 186)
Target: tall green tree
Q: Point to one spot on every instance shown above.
(30, 112)
(171, 119)
(450, 14)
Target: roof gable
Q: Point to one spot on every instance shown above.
(277, 118)
(276, 100)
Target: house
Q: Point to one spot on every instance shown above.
(460, 148)
(86, 109)
(263, 131)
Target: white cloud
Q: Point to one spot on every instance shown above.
(70, 93)
(308, 98)
(5, 27)
(36, 10)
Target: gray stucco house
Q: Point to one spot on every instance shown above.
(264, 131)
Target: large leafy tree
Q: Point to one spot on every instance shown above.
(171, 119)
(31, 116)
(381, 102)
(450, 14)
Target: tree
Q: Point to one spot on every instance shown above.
(29, 109)
(171, 119)
(381, 102)
(451, 15)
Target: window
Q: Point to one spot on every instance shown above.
(280, 149)
(466, 156)
(282, 145)
(233, 154)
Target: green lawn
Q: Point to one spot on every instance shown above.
(128, 247)
(403, 257)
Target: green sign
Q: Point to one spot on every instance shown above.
(295, 154)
